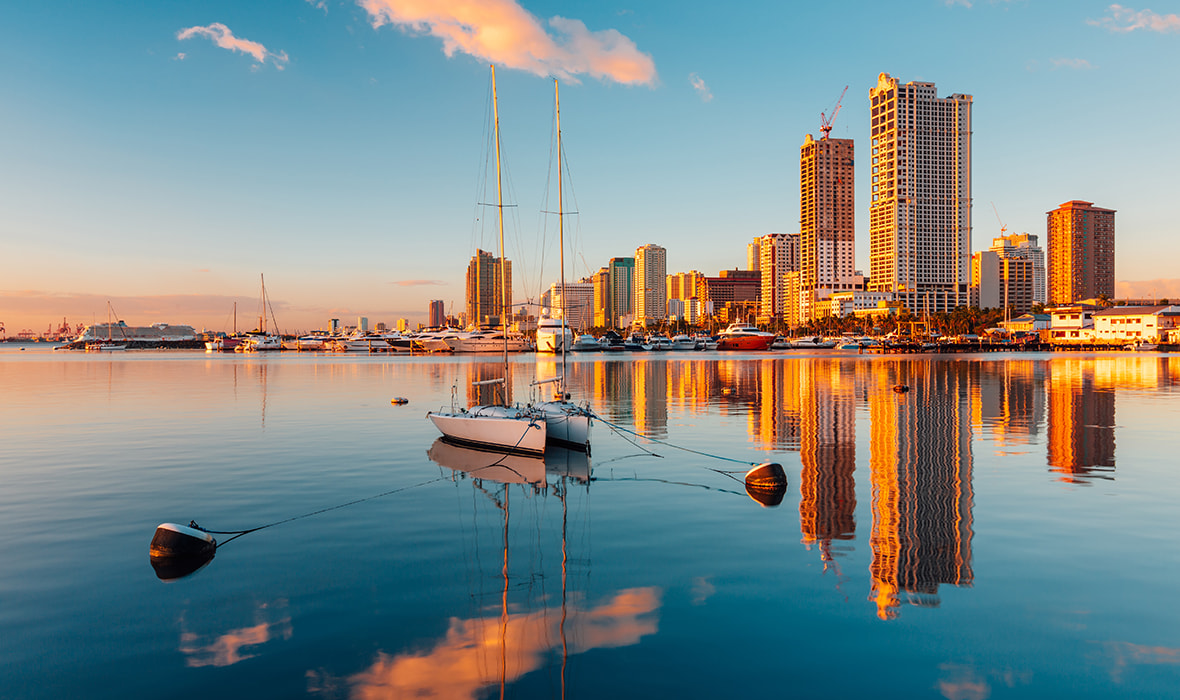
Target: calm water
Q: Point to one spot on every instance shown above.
(1008, 528)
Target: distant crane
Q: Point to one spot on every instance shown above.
(1003, 226)
(825, 121)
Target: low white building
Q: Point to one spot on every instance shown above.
(1072, 324)
(1150, 324)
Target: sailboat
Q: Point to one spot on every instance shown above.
(260, 340)
(568, 423)
(498, 427)
(226, 343)
(108, 345)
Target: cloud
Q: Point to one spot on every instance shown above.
(418, 283)
(1075, 63)
(1148, 289)
(223, 37)
(964, 3)
(319, 5)
(698, 84)
(1124, 19)
(504, 33)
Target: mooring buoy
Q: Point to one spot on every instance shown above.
(900, 388)
(398, 400)
(179, 550)
(766, 483)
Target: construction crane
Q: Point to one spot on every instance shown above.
(1003, 226)
(825, 121)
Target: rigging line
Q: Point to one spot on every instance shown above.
(238, 533)
(668, 444)
(669, 481)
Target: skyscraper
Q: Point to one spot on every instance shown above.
(437, 316)
(484, 302)
(1081, 252)
(650, 284)
(827, 218)
(1024, 245)
(920, 214)
(779, 254)
(622, 291)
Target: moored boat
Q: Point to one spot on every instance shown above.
(743, 336)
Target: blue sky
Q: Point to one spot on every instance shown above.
(146, 160)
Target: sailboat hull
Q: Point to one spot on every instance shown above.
(567, 425)
(493, 428)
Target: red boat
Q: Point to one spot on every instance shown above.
(743, 336)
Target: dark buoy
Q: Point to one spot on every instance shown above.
(398, 400)
(767, 483)
(900, 388)
(727, 391)
(179, 550)
(767, 498)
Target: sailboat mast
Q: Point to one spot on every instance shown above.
(262, 313)
(560, 235)
(500, 210)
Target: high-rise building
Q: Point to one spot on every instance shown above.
(827, 218)
(1081, 252)
(651, 300)
(920, 213)
(683, 285)
(437, 316)
(779, 254)
(622, 291)
(985, 280)
(1024, 245)
(485, 301)
(576, 300)
(753, 258)
(601, 303)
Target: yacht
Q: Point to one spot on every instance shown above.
(744, 336)
(553, 335)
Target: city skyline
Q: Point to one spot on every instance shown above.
(332, 145)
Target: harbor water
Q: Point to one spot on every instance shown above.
(1006, 528)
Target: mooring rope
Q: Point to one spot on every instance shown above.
(619, 428)
(238, 533)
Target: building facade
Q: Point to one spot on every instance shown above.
(920, 213)
(827, 219)
(437, 316)
(487, 297)
(576, 300)
(650, 284)
(622, 292)
(1081, 252)
(1027, 246)
(778, 255)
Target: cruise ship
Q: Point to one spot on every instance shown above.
(155, 335)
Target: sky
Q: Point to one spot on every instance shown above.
(163, 156)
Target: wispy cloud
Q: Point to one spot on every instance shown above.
(319, 5)
(223, 37)
(1075, 63)
(1124, 19)
(502, 32)
(964, 3)
(418, 283)
(698, 84)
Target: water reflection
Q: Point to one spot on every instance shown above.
(236, 645)
(479, 652)
(920, 465)
(1081, 423)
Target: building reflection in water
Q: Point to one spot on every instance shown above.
(1081, 420)
(825, 404)
(920, 464)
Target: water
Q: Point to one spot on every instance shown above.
(1004, 529)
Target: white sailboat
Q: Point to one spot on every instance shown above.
(499, 427)
(568, 423)
(260, 340)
